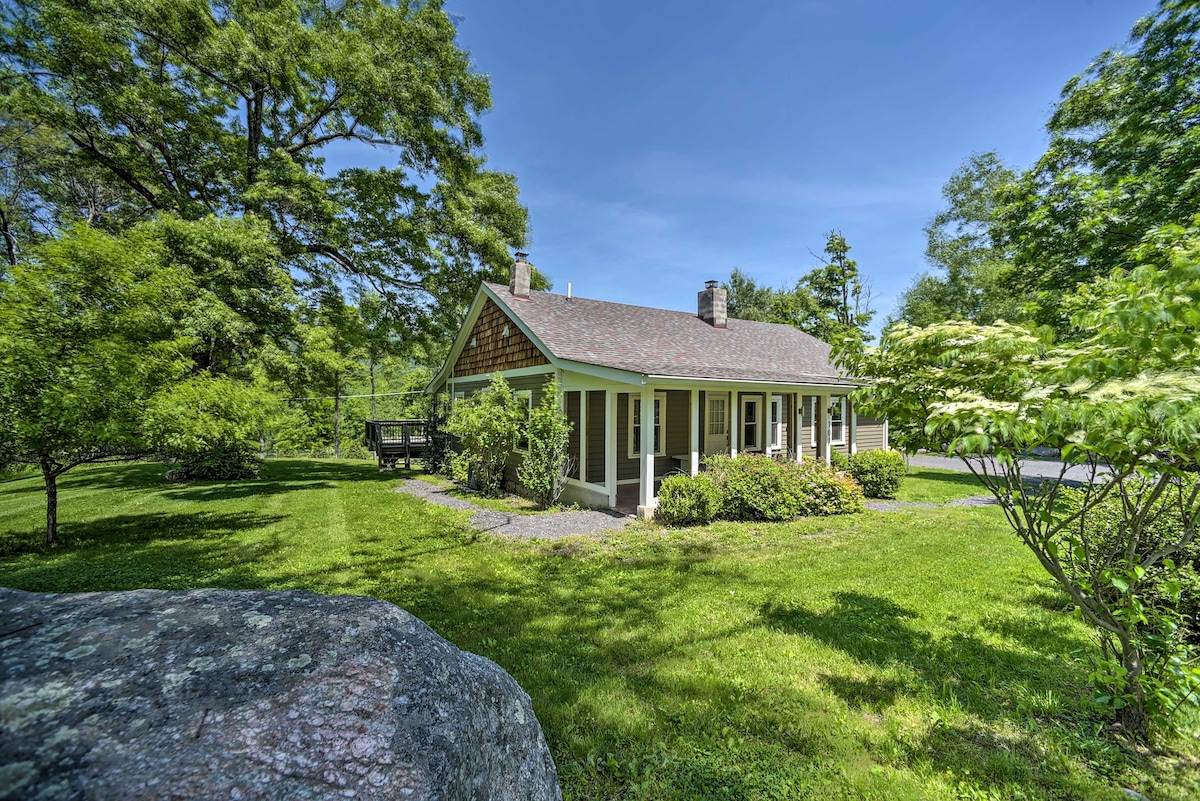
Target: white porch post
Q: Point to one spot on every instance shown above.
(694, 462)
(646, 496)
(610, 445)
(797, 425)
(826, 429)
(733, 424)
(853, 423)
(583, 399)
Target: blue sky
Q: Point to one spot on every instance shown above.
(659, 144)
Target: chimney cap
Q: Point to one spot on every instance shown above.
(710, 284)
(521, 256)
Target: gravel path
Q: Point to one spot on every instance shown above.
(896, 506)
(543, 527)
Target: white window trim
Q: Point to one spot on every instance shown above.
(774, 425)
(661, 398)
(527, 395)
(840, 403)
(759, 425)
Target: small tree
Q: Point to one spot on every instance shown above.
(544, 471)
(87, 335)
(1125, 405)
(488, 425)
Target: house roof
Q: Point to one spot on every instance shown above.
(660, 342)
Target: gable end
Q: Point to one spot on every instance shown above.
(493, 351)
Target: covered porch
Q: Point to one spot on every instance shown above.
(626, 439)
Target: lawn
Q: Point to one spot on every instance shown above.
(915, 654)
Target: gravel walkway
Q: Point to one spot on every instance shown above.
(543, 527)
(896, 506)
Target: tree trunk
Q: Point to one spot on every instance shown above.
(51, 479)
(1132, 716)
(371, 371)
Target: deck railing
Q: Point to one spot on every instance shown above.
(391, 440)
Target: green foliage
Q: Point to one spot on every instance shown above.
(488, 425)
(1126, 396)
(87, 335)
(879, 473)
(839, 461)
(687, 501)
(755, 487)
(209, 426)
(1123, 159)
(971, 269)
(544, 470)
(193, 107)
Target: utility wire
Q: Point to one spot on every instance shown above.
(376, 395)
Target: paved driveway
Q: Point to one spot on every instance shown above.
(1033, 468)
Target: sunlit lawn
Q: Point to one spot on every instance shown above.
(916, 654)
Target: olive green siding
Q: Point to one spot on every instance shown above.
(870, 433)
(677, 440)
(571, 405)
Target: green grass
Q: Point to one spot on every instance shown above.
(928, 485)
(916, 654)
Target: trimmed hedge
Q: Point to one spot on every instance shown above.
(753, 487)
(687, 501)
(879, 473)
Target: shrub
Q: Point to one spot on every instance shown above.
(487, 424)
(759, 488)
(209, 427)
(687, 501)
(878, 472)
(543, 473)
(839, 461)
(232, 462)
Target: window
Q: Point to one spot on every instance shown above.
(635, 424)
(525, 398)
(716, 415)
(775, 440)
(751, 423)
(837, 422)
(459, 396)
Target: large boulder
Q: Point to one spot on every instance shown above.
(253, 695)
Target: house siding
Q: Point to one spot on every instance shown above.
(595, 437)
(571, 402)
(493, 350)
(870, 433)
(676, 442)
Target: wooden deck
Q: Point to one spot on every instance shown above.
(393, 440)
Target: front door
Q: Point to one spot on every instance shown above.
(716, 423)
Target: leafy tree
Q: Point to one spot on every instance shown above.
(488, 425)
(331, 355)
(970, 277)
(1123, 159)
(87, 335)
(545, 468)
(199, 107)
(840, 294)
(745, 299)
(1124, 402)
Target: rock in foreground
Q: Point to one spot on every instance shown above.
(253, 695)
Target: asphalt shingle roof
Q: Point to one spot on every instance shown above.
(671, 343)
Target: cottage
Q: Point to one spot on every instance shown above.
(651, 391)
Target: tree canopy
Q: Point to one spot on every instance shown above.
(201, 107)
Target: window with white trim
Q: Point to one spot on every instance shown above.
(751, 422)
(635, 424)
(837, 422)
(524, 398)
(775, 440)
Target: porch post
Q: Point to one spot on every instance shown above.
(694, 464)
(733, 424)
(826, 429)
(853, 423)
(646, 496)
(583, 404)
(797, 425)
(610, 446)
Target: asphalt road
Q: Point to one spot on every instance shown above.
(1032, 468)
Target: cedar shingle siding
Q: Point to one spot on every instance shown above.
(493, 350)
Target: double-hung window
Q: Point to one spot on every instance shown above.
(637, 420)
(837, 422)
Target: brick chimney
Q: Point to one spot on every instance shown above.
(710, 305)
(518, 282)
